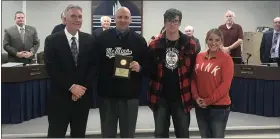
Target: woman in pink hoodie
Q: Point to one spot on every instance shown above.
(210, 87)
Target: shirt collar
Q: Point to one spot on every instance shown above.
(163, 35)
(69, 36)
(20, 27)
(105, 29)
(124, 33)
(232, 26)
(218, 54)
(274, 31)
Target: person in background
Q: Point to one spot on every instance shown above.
(233, 37)
(270, 44)
(189, 30)
(21, 41)
(61, 26)
(210, 86)
(172, 61)
(71, 67)
(119, 97)
(105, 24)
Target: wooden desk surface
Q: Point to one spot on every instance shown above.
(257, 72)
(23, 73)
(32, 72)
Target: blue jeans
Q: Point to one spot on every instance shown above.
(181, 120)
(212, 121)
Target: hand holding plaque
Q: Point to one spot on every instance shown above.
(134, 66)
(121, 67)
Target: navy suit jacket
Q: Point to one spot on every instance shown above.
(266, 45)
(58, 28)
(97, 32)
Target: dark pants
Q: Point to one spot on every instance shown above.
(62, 112)
(181, 120)
(212, 121)
(124, 110)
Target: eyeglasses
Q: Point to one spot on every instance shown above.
(175, 22)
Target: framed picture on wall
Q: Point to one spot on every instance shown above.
(109, 8)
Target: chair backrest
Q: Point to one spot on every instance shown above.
(4, 58)
(40, 57)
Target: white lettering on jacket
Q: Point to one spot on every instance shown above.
(207, 68)
(110, 53)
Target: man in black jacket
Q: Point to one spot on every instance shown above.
(120, 95)
(70, 66)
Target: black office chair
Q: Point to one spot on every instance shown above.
(4, 58)
(40, 57)
(237, 60)
(264, 29)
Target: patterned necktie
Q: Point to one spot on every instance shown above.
(274, 45)
(22, 34)
(74, 50)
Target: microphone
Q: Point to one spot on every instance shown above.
(249, 56)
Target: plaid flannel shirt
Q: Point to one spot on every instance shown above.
(187, 56)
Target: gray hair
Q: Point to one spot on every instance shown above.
(190, 28)
(103, 18)
(231, 13)
(62, 14)
(71, 6)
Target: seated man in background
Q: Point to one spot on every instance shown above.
(61, 26)
(189, 32)
(269, 49)
(105, 24)
(21, 41)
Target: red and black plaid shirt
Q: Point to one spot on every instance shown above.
(187, 56)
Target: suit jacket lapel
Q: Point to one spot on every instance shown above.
(26, 33)
(81, 44)
(16, 31)
(67, 49)
(270, 38)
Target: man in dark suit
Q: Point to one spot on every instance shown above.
(105, 24)
(21, 41)
(61, 26)
(70, 66)
(270, 45)
(189, 32)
